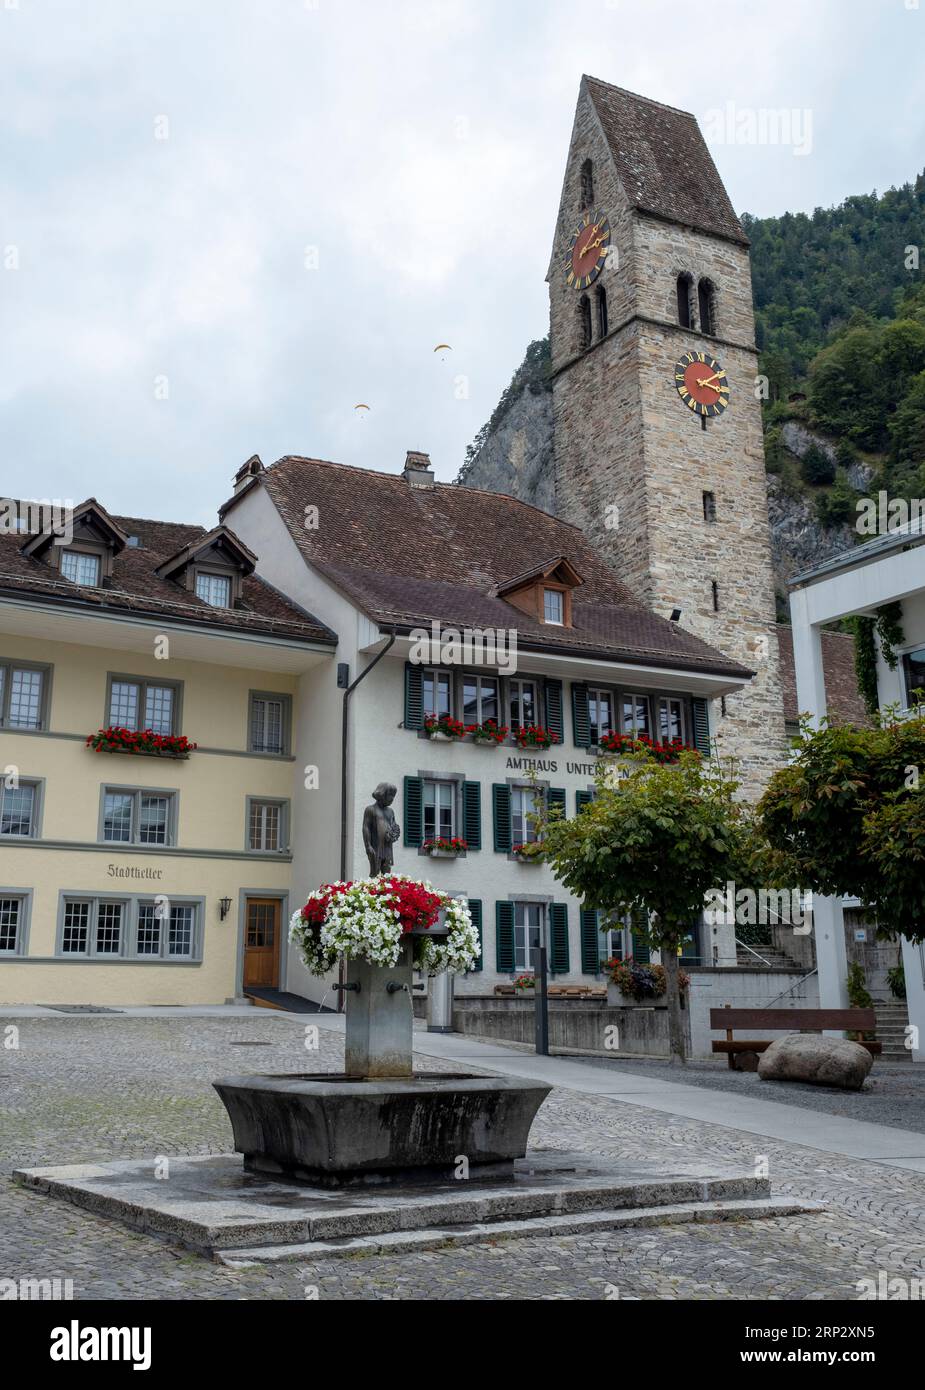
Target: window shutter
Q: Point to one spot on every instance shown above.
(581, 718)
(701, 727)
(414, 696)
(472, 815)
(554, 721)
(555, 796)
(504, 938)
(582, 799)
(475, 908)
(558, 939)
(640, 947)
(501, 812)
(590, 941)
(414, 811)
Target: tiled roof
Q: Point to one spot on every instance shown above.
(408, 555)
(843, 698)
(663, 162)
(137, 587)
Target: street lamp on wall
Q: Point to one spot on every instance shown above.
(224, 908)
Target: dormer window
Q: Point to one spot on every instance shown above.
(80, 567)
(213, 566)
(214, 589)
(544, 593)
(554, 606)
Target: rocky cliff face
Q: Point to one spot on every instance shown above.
(514, 455)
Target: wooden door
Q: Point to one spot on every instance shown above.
(261, 942)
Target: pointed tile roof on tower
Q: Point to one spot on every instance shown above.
(663, 162)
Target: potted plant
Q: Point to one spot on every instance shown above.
(530, 853)
(533, 736)
(444, 728)
(443, 848)
(490, 732)
(523, 983)
(369, 918)
(630, 745)
(141, 741)
(631, 982)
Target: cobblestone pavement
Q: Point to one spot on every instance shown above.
(81, 1088)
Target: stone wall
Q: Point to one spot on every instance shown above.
(579, 1025)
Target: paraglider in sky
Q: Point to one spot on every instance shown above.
(361, 406)
(443, 349)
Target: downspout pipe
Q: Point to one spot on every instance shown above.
(345, 741)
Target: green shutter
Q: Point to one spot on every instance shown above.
(414, 811)
(582, 799)
(472, 815)
(701, 727)
(504, 938)
(475, 908)
(554, 721)
(414, 696)
(581, 718)
(640, 947)
(501, 813)
(555, 796)
(558, 939)
(590, 941)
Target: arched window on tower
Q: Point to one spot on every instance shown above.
(706, 303)
(586, 195)
(685, 291)
(601, 297)
(584, 323)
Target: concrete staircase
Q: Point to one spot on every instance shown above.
(892, 1019)
(765, 958)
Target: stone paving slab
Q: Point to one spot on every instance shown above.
(210, 1204)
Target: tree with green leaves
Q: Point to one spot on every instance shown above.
(655, 839)
(847, 818)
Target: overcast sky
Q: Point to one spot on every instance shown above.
(225, 223)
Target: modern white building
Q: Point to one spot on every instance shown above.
(890, 569)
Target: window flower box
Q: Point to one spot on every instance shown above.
(443, 848)
(532, 736)
(142, 742)
(635, 985)
(490, 733)
(530, 853)
(523, 983)
(628, 745)
(444, 729)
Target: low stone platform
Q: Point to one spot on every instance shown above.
(214, 1206)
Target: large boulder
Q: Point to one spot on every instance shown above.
(817, 1061)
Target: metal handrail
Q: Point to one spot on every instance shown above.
(748, 948)
(802, 981)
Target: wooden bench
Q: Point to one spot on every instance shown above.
(743, 1052)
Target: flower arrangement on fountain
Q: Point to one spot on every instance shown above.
(368, 919)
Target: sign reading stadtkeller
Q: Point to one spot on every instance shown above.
(128, 871)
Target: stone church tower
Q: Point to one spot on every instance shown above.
(657, 425)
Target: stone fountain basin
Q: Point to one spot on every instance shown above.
(338, 1129)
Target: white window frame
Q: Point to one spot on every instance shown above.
(93, 904)
(137, 794)
(23, 899)
(282, 825)
(266, 697)
(597, 694)
(81, 557)
(520, 813)
(470, 677)
(445, 792)
(635, 696)
(9, 669)
(143, 686)
(209, 579)
(438, 679)
(525, 910)
(516, 687)
(559, 604)
(669, 700)
(35, 786)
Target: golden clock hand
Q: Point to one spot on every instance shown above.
(705, 380)
(710, 387)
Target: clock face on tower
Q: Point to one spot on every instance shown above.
(702, 383)
(587, 252)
